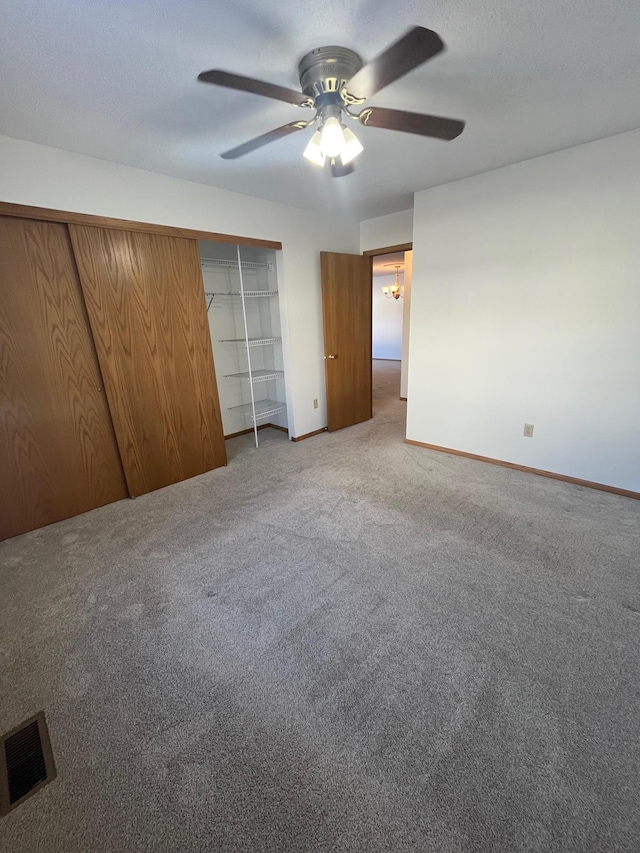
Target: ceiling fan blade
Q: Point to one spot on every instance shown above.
(340, 171)
(424, 125)
(265, 139)
(410, 51)
(256, 87)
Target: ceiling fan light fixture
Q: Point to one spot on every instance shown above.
(352, 147)
(313, 152)
(332, 139)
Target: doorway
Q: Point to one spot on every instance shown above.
(391, 301)
(347, 309)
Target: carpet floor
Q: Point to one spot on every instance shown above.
(343, 644)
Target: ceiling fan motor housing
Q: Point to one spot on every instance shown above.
(325, 72)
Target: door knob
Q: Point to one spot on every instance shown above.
(331, 356)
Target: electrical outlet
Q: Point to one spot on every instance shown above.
(315, 403)
(528, 430)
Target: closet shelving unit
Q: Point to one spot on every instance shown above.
(244, 319)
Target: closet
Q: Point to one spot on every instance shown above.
(244, 311)
(107, 381)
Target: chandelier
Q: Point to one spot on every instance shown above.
(395, 291)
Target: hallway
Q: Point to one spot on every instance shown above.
(386, 388)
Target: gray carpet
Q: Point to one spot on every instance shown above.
(346, 644)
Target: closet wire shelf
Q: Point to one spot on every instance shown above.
(256, 375)
(227, 264)
(253, 342)
(248, 294)
(263, 409)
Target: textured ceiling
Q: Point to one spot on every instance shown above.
(380, 263)
(116, 79)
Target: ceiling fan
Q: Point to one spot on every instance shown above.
(334, 80)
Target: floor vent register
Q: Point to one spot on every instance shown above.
(26, 762)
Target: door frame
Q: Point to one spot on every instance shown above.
(371, 253)
(389, 250)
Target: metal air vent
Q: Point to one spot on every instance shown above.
(26, 762)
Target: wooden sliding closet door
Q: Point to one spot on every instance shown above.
(58, 454)
(145, 299)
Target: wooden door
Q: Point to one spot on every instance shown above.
(346, 311)
(58, 453)
(145, 298)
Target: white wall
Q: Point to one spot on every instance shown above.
(387, 319)
(47, 177)
(392, 230)
(526, 308)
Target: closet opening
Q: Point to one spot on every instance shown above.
(246, 327)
